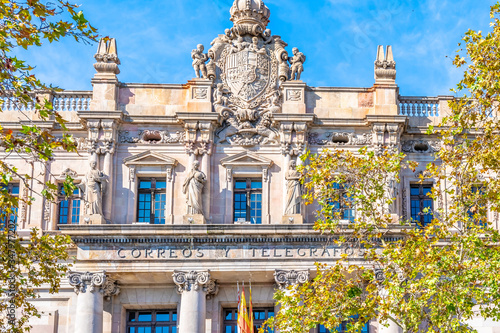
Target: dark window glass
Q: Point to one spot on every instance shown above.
(260, 316)
(161, 321)
(421, 205)
(69, 207)
(12, 189)
(477, 211)
(152, 200)
(342, 328)
(248, 201)
(342, 203)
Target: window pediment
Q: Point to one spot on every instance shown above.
(246, 159)
(149, 158)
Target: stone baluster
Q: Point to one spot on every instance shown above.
(91, 289)
(194, 288)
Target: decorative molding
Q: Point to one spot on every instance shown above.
(246, 159)
(340, 139)
(284, 279)
(421, 146)
(152, 137)
(195, 281)
(110, 288)
(294, 95)
(200, 93)
(69, 172)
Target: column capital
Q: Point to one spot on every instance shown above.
(83, 282)
(285, 278)
(197, 281)
(93, 282)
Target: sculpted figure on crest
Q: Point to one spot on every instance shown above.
(297, 62)
(199, 60)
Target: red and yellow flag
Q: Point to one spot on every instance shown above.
(250, 312)
(243, 320)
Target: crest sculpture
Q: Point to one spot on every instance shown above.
(247, 65)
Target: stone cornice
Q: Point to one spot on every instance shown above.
(199, 234)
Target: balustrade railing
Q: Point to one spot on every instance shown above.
(61, 101)
(419, 106)
(72, 101)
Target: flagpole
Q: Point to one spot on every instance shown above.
(250, 312)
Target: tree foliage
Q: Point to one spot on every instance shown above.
(38, 260)
(436, 277)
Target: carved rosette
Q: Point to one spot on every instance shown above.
(197, 281)
(284, 279)
(83, 282)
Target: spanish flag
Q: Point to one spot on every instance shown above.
(243, 320)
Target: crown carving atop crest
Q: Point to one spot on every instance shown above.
(250, 16)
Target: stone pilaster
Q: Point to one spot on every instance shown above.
(91, 289)
(194, 288)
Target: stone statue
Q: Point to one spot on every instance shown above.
(95, 185)
(199, 60)
(293, 190)
(297, 62)
(192, 188)
(255, 46)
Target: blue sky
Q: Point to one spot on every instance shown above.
(339, 38)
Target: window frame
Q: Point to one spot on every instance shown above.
(343, 207)
(249, 190)
(421, 197)
(15, 212)
(152, 191)
(233, 322)
(71, 200)
(153, 323)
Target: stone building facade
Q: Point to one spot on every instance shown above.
(187, 189)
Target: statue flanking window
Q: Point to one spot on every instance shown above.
(293, 190)
(94, 187)
(193, 188)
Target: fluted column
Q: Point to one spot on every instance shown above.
(91, 289)
(194, 288)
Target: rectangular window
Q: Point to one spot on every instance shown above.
(477, 212)
(259, 315)
(69, 207)
(152, 201)
(13, 190)
(248, 201)
(342, 328)
(421, 203)
(343, 204)
(154, 321)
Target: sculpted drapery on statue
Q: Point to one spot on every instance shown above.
(193, 188)
(94, 186)
(247, 64)
(293, 190)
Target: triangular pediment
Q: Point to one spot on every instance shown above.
(149, 158)
(246, 159)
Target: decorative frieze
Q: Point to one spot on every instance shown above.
(284, 279)
(152, 137)
(421, 146)
(340, 138)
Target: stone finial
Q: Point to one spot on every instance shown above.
(284, 279)
(385, 66)
(107, 57)
(83, 282)
(188, 281)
